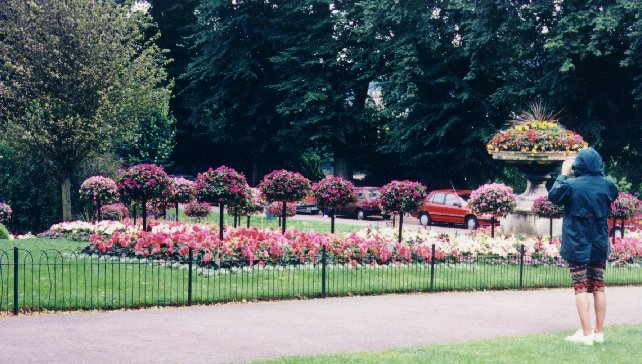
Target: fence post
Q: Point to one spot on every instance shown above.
(521, 266)
(15, 280)
(189, 277)
(432, 269)
(323, 276)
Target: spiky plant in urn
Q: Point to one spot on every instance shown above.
(536, 143)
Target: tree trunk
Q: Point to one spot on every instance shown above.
(66, 198)
(342, 163)
(254, 179)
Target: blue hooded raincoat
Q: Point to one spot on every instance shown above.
(587, 201)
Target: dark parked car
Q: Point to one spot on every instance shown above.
(303, 207)
(367, 204)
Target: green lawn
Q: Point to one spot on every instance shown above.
(622, 345)
(50, 280)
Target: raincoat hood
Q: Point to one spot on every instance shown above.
(588, 163)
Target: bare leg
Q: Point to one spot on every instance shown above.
(584, 310)
(599, 299)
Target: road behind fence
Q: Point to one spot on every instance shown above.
(67, 280)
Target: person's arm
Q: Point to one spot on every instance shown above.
(560, 194)
(613, 191)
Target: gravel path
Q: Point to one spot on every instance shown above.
(239, 332)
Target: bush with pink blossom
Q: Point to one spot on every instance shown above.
(542, 207)
(402, 196)
(115, 211)
(5, 212)
(98, 191)
(334, 192)
(198, 210)
(144, 183)
(221, 185)
(625, 206)
(494, 199)
(182, 190)
(276, 209)
(282, 185)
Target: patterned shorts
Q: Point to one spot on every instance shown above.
(588, 277)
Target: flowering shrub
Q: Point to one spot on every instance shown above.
(334, 192)
(99, 190)
(542, 207)
(493, 199)
(143, 182)
(623, 250)
(5, 212)
(197, 209)
(221, 185)
(114, 211)
(276, 209)
(182, 190)
(403, 196)
(253, 203)
(282, 185)
(625, 206)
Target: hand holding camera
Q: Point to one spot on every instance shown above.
(567, 167)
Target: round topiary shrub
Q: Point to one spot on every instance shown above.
(197, 210)
(5, 212)
(276, 209)
(625, 206)
(400, 197)
(495, 199)
(143, 182)
(334, 192)
(544, 208)
(284, 186)
(182, 192)
(115, 211)
(224, 186)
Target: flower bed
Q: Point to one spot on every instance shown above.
(249, 246)
(82, 230)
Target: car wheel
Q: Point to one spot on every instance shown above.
(361, 215)
(425, 220)
(471, 222)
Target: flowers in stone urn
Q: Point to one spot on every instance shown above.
(535, 131)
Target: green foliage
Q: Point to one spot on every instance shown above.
(623, 185)
(309, 165)
(4, 233)
(99, 82)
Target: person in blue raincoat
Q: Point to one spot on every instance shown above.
(587, 198)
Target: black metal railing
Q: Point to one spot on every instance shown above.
(67, 280)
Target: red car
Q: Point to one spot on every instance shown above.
(450, 206)
(367, 204)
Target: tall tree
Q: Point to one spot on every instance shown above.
(321, 82)
(75, 75)
(229, 80)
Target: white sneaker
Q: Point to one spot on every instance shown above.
(598, 337)
(580, 338)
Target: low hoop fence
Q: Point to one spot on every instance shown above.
(45, 280)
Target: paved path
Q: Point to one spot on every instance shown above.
(238, 332)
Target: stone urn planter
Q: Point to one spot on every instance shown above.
(536, 144)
